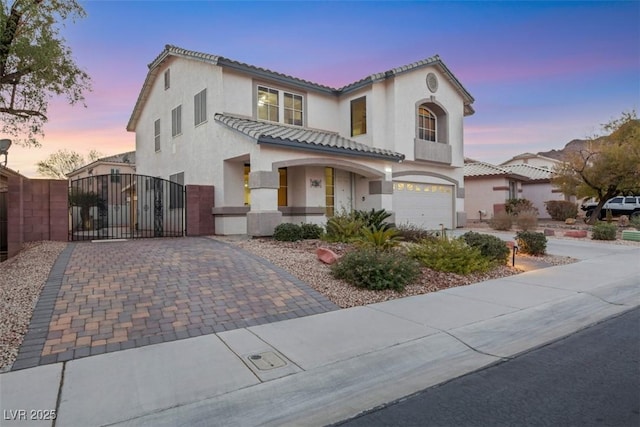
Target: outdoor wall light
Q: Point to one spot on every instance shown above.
(4, 150)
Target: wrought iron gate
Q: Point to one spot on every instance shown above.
(126, 206)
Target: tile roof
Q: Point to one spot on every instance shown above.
(303, 138)
(474, 168)
(175, 51)
(128, 157)
(532, 172)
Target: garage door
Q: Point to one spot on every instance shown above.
(423, 205)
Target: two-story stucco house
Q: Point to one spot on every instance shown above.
(281, 149)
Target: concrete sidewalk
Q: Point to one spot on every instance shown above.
(324, 368)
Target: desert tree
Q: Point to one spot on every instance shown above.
(607, 166)
(60, 163)
(36, 65)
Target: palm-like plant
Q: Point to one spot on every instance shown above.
(382, 239)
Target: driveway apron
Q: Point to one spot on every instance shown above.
(114, 295)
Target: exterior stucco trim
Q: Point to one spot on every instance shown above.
(230, 210)
(358, 168)
(301, 210)
(380, 187)
(423, 173)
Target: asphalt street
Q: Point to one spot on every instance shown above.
(590, 378)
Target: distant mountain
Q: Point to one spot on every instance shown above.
(570, 147)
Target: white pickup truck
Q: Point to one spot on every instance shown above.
(619, 205)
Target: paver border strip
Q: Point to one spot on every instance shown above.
(36, 336)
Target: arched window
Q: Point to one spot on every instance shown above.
(426, 124)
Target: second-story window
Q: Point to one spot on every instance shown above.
(280, 106)
(268, 106)
(167, 79)
(156, 134)
(426, 124)
(359, 116)
(176, 121)
(293, 109)
(200, 107)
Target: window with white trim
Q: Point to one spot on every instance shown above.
(426, 124)
(276, 105)
(293, 109)
(176, 121)
(167, 79)
(156, 134)
(200, 107)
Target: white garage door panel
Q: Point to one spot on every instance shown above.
(423, 205)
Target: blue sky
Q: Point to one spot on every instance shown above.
(542, 73)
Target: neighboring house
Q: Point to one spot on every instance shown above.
(531, 159)
(123, 163)
(489, 186)
(109, 178)
(538, 187)
(282, 149)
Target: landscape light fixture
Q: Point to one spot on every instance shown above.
(4, 150)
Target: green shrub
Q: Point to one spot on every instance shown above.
(604, 231)
(634, 221)
(515, 206)
(373, 218)
(413, 233)
(501, 221)
(287, 232)
(532, 243)
(311, 231)
(527, 220)
(376, 270)
(453, 256)
(560, 210)
(343, 227)
(491, 247)
(379, 240)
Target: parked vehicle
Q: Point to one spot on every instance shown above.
(619, 205)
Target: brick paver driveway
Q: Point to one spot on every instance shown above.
(110, 296)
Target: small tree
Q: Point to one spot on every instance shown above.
(35, 64)
(607, 167)
(60, 163)
(85, 200)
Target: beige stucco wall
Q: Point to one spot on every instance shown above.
(212, 154)
(538, 193)
(481, 196)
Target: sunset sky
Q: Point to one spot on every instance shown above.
(542, 73)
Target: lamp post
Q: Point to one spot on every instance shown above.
(4, 150)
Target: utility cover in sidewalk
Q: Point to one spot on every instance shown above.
(267, 360)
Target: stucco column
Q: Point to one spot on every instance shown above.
(382, 190)
(264, 216)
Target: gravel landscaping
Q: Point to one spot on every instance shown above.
(299, 259)
(22, 278)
